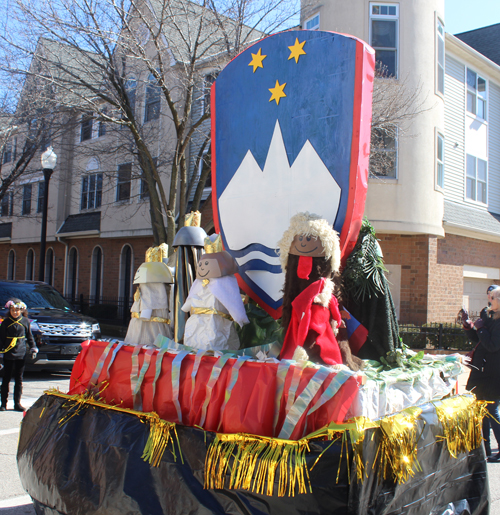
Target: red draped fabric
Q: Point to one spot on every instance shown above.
(250, 408)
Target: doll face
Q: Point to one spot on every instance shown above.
(208, 268)
(303, 245)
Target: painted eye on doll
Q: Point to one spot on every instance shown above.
(208, 268)
(303, 245)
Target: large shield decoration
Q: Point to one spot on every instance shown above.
(291, 122)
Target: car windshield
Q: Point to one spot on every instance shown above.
(33, 295)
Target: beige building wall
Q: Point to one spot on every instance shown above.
(411, 203)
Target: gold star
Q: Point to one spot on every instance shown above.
(257, 59)
(297, 50)
(277, 92)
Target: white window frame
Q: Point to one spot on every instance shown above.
(87, 117)
(389, 17)
(68, 290)
(396, 170)
(473, 177)
(11, 258)
(440, 162)
(93, 275)
(120, 182)
(33, 264)
(440, 52)
(152, 99)
(473, 93)
(314, 26)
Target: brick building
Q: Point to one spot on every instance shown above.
(436, 210)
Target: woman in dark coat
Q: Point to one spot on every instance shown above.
(483, 379)
(15, 332)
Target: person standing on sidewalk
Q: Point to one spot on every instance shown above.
(485, 364)
(15, 332)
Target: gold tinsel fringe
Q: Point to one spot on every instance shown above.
(255, 461)
(397, 452)
(161, 432)
(461, 419)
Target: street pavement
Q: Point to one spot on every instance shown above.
(15, 501)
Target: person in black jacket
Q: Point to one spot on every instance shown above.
(485, 364)
(15, 332)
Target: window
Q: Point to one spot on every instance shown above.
(207, 88)
(383, 155)
(7, 153)
(130, 88)
(96, 275)
(440, 160)
(26, 207)
(144, 193)
(124, 180)
(49, 267)
(384, 37)
(6, 206)
(312, 23)
(86, 128)
(41, 193)
(126, 275)
(152, 109)
(476, 94)
(476, 179)
(30, 265)
(440, 57)
(72, 280)
(11, 265)
(15, 148)
(102, 129)
(91, 191)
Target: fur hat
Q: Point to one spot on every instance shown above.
(310, 224)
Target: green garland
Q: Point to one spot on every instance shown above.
(364, 272)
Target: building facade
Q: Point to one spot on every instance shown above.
(435, 205)
(436, 210)
(99, 223)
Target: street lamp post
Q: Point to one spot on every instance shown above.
(49, 159)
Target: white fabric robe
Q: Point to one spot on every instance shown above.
(213, 331)
(154, 302)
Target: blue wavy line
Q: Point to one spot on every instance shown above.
(259, 264)
(253, 247)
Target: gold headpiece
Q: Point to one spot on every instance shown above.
(192, 219)
(156, 254)
(211, 247)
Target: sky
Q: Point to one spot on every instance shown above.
(462, 15)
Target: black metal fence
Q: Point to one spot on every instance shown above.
(435, 336)
(113, 310)
(116, 311)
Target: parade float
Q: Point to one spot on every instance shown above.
(194, 423)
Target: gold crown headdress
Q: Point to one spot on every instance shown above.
(213, 246)
(192, 219)
(157, 254)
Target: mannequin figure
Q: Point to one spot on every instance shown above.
(214, 301)
(151, 307)
(310, 256)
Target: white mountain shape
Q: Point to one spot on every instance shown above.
(257, 204)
